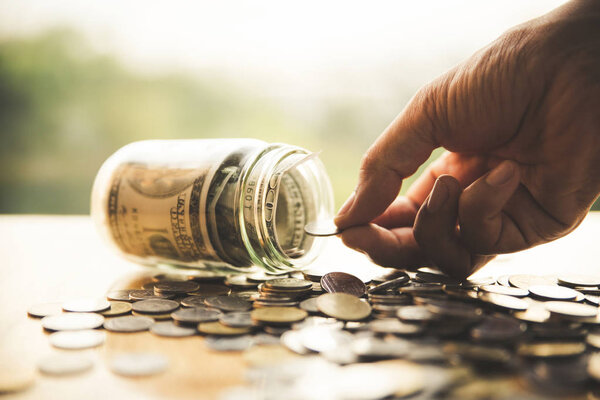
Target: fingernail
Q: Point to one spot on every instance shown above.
(347, 205)
(501, 174)
(438, 196)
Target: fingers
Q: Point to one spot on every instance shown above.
(485, 227)
(401, 213)
(464, 168)
(436, 232)
(435, 228)
(390, 248)
(395, 155)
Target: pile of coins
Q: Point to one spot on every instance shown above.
(541, 332)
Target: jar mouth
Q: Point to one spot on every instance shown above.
(280, 195)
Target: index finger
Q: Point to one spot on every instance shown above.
(395, 155)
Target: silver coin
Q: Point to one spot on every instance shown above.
(45, 309)
(570, 309)
(195, 315)
(505, 290)
(75, 340)
(579, 280)
(86, 305)
(248, 295)
(237, 319)
(72, 321)
(175, 287)
(148, 294)
(119, 295)
(155, 306)
(128, 324)
(553, 292)
(138, 364)
(219, 343)
(64, 364)
(504, 301)
(324, 227)
(169, 329)
(228, 303)
(524, 281)
(310, 305)
(193, 301)
(290, 284)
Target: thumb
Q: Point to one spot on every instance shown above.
(395, 155)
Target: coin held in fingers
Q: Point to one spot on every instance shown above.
(325, 227)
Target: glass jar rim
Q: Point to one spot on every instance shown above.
(269, 168)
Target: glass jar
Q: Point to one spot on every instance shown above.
(209, 202)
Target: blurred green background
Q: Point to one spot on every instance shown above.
(68, 102)
(64, 110)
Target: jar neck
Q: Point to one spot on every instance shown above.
(279, 195)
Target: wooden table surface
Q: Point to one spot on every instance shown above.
(53, 258)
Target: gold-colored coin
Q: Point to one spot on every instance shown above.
(551, 349)
(343, 306)
(117, 308)
(217, 328)
(278, 315)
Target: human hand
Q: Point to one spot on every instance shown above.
(521, 122)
